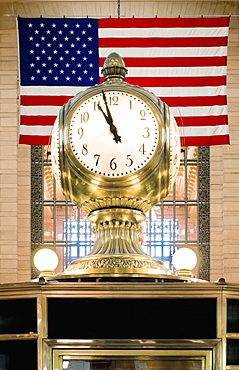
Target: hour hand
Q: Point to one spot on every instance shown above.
(109, 120)
(107, 108)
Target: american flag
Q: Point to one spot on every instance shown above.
(183, 61)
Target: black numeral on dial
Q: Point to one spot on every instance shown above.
(97, 156)
(146, 133)
(130, 160)
(113, 164)
(84, 149)
(80, 132)
(142, 149)
(84, 117)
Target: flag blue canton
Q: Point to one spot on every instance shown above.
(58, 52)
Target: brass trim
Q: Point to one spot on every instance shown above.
(18, 336)
(205, 356)
(232, 335)
(116, 264)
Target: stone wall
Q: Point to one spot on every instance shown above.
(15, 159)
(225, 178)
(14, 167)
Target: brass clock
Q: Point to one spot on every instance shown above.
(115, 153)
(114, 132)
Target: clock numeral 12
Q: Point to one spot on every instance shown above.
(113, 100)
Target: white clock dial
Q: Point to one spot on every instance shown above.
(114, 133)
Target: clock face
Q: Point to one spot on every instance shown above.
(113, 133)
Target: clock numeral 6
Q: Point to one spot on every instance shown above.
(113, 164)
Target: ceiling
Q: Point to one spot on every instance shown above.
(114, 8)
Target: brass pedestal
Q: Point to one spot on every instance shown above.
(117, 250)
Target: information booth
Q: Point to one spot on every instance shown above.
(119, 325)
(116, 153)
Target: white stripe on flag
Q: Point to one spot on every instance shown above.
(35, 130)
(165, 52)
(176, 71)
(183, 131)
(51, 90)
(203, 130)
(158, 91)
(163, 32)
(188, 91)
(215, 110)
(39, 110)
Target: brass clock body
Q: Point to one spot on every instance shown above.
(115, 153)
(94, 170)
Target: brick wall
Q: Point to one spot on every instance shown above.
(14, 168)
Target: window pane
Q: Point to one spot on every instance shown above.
(192, 223)
(170, 224)
(48, 223)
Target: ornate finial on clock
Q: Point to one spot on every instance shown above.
(115, 153)
(114, 67)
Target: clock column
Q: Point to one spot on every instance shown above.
(116, 200)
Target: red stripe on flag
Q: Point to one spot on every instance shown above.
(172, 62)
(34, 140)
(163, 22)
(50, 100)
(37, 120)
(205, 140)
(147, 42)
(175, 81)
(201, 121)
(171, 101)
(195, 101)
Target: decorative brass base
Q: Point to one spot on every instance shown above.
(184, 272)
(117, 250)
(117, 265)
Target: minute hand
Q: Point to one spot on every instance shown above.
(109, 120)
(113, 129)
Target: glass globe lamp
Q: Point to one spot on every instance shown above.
(184, 260)
(46, 261)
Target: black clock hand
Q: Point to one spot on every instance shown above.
(107, 108)
(109, 120)
(113, 129)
